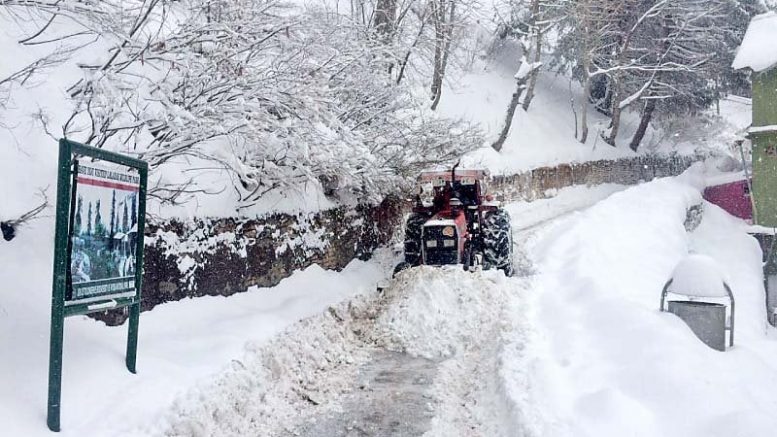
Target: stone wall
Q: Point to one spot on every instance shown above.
(542, 182)
(227, 256)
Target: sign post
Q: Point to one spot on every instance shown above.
(98, 263)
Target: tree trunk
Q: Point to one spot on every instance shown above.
(615, 119)
(537, 55)
(647, 115)
(437, 76)
(405, 60)
(384, 19)
(385, 16)
(442, 47)
(584, 110)
(519, 87)
(438, 43)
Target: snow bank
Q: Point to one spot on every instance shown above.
(273, 383)
(454, 318)
(441, 310)
(606, 362)
(180, 343)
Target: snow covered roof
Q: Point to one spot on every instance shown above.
(759, 50)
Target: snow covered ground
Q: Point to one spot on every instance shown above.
(545, 135)
(603, 360)
(578, 347)
(180, 344)
(572, 346)
(185, 346)
(575, 347)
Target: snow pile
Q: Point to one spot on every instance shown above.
(438, 312)
(606, 362)
(758, 50)
(462, 319)
(274, 383)
(698, 275)
(181, 343)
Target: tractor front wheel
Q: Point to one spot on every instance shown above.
(498, 242)
(413, 227)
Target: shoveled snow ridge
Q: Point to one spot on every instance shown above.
(308, 375)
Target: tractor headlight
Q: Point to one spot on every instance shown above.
(431, 243)
(449, 243)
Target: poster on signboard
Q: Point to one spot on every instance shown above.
(104, 233)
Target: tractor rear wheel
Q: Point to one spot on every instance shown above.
(413, 228)
(498, 242)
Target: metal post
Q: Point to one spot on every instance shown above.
(733, 308)
(59, 286)
(132, 337)
(134, 316)
(663, 293)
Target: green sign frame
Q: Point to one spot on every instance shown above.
(112, 293)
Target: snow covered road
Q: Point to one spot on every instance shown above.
(575, 347)
(425, 357)
(419, 358)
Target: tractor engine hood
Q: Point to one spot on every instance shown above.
(456, 219)
(443, 239)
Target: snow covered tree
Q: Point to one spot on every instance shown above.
(277, 96)
(527, 21)
(681, 55)
(733, 22)
(631, 52)
(584, 48)
(526, 71)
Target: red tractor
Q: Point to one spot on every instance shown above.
(455, 221)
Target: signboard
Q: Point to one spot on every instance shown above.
(98, 247)
(105, 234)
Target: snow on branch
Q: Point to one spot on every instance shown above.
(274, 95)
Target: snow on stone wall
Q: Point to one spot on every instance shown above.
(542, 182)
(227, 256)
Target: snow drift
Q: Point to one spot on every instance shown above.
(606, 362)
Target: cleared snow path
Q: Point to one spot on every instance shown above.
(419, 358)
(435, 354)
(393, 398)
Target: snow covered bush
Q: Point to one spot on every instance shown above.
(276, 96)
